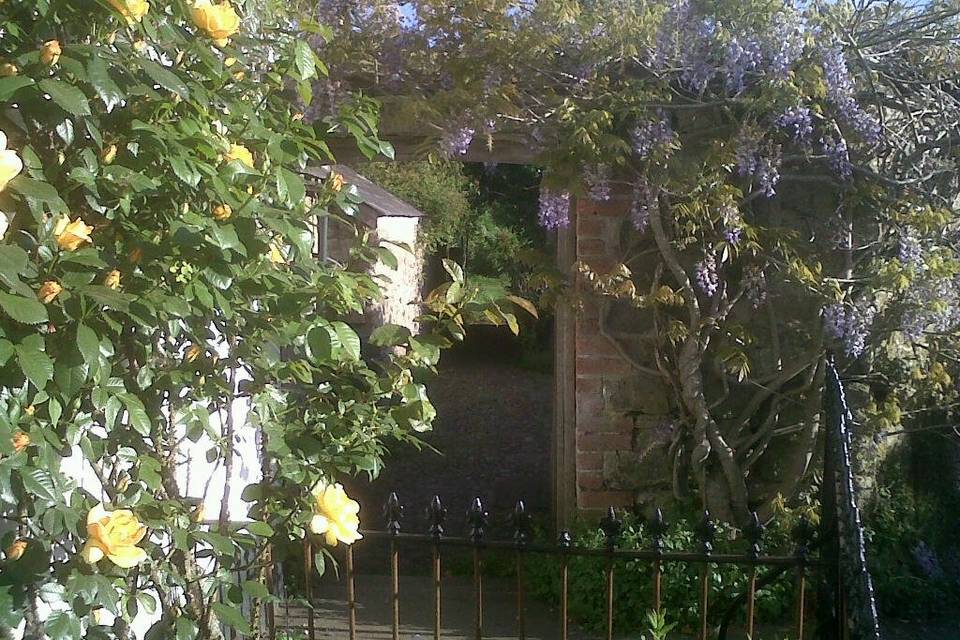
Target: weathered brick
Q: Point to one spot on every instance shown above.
(591, 500)
(589, 461)
(595, 227)
(593, 248)
(596, 345)
(612, 207)
(604, 441)
(590, 365)
(590, 480)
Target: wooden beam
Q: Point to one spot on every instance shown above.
(505, 149)
(565, 387)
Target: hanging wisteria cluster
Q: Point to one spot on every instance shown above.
(554, 211)
(850, 325)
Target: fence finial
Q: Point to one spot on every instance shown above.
(658, 527)
(477, 517)
(754, 532)
(707, 531)
(611, 525)
(521, 524)
(393, 512)
(436, 515)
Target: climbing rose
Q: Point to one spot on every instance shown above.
(16, 549)
(112, 280)
(71, 235)
(241, 153)
(217, 21)
(193, 352)
(335, 516)
(114, 534)
(336, 182)
(21, 440)
(132, 10)
(7, 70)
(222, 212)
(48, 291)
(50, 52)
(109, 154)
(276, 252)
(10, 163)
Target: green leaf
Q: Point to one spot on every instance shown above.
(12, 84)
(304, 59)
(89, 345)
(70, 98)
(232, 616)
(106, 88)
(136, 412)
(225, 237)
(319, 344)
(349, 340)
(23, 309)
(165, 78)
(390, 335)
(290, 186)
(38, 190)
(261, 529)
(40, 484)
(36, 365)
(256, 589)
(186, 629)
(63, 625)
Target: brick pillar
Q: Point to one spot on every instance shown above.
(600, 432)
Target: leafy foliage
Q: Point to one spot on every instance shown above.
(184, 286)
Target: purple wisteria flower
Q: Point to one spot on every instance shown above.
(786, 37)
(908, 250)
(650, 136)
(850, 325)
(842, 93)
(838, 156)
(554, 209)
(456, 142)
(643, 200)
(675, 22)
(697, 56)
(732, 223)
(933, 305)
(762, 162)
(707, 277)
(598, 179)
(755, 286)
(743, 56)
(798, 122)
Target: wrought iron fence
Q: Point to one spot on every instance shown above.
(845, 608)
(478, 542)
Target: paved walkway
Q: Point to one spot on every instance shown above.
(374, 614)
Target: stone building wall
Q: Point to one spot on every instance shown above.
(401, 286)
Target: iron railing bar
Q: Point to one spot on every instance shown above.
(308, 586)
(351, 595)
(621, 554)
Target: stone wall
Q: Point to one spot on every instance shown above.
(401, 286)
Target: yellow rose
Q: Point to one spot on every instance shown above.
(229, 62)
(114, 534)
(50, 52)
(192, 353)
(135, 255)
(217, 21)
(7, 70)
(16, 549)
(72, 235)
(21, 440)
(222, 212)
(10, 163)
(276, 252)
(336, 182)
(112, 280)
(132, 10)
(335, 517)
(109, 154)
(140, 46)
(241, 153)
(48, 291)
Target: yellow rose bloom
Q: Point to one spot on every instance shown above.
(48, 291)
(132, 10)
(50, 52)
(276, 252)
(112, 280)
(217, 21)
(21, 440)
(72, 235)
(336, 182)
(335, 515)
(10, 163)
(7, 70)
(16, 549)
(222, 212)
(109, 154)
(114, 534)
(192, 353)
(241, 153)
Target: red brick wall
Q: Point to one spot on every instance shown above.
(600, 432)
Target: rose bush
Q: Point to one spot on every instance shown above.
(157, 271)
